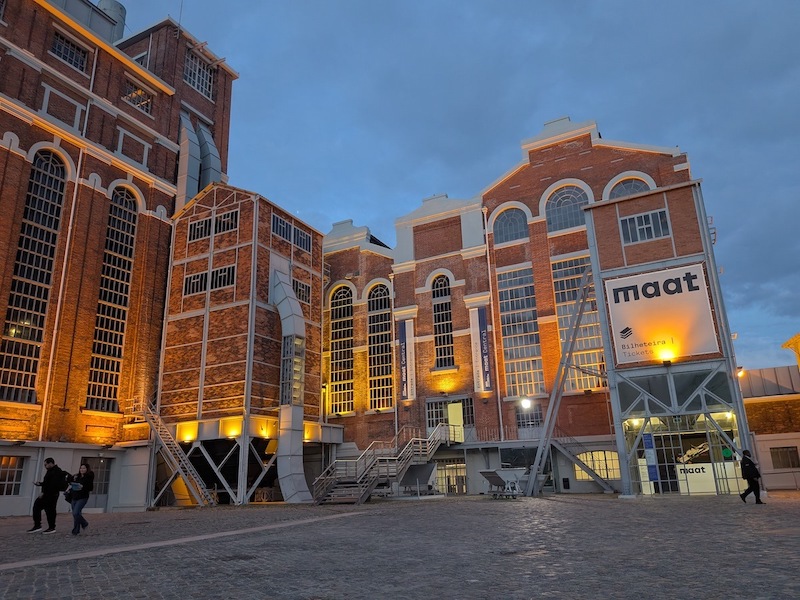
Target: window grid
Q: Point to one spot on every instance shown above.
(529, 417)
(302, 291)
(281, 227)
(112, 306)
(511, 224)
(199, 74)
(11, 467)
(195, 284)
(785, 457)
(23, 329)
(588, 348)
(223, 277)
(302, 240)
(2, 8)
(69, 52)
(199, 229)
(436, 412)
(140, 98)
(522, 353)
(564, 208)
(646, 226)
(628, 187)
(342, 351)
(442, 322)
(226, 222)
(603, 462)
(379, 316)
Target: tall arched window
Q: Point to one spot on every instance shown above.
(442, 322)
(628, 187)
(112, 304)
(341, 383)
(564, 208)
(511, 224)
(379, 311)
(23, 329)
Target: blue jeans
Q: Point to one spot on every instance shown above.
(77, 517)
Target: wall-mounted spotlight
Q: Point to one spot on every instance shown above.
(667, 363)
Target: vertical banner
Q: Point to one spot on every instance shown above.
(403, 351)
(479, 338)
(650, 456)
(405, 332)
(486, 372)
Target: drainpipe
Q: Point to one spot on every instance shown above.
(485, 212)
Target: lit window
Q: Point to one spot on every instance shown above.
(223, 277)
(379, 312)
(529, 417)
(341, 384)
(628, 187)
(112, 304)
(785, 457)
(69, 52)
(603, 462)
(587, 354)
(522, 352)
(511, 224)
(23, 330)
(281, 227)
(226, 222)
(199, 74)
(199, 230)
(564, 208)
(140, 98)
(442, 322)
(10, 471)
(646, 226)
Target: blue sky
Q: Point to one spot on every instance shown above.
(358, 109)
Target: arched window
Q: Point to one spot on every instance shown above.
(341, 377)
(379, 314)
(23, 329)
(112, 304)
(564, 208)
(511, 224)
(628, 187)
(442, 322)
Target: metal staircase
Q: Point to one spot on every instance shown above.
(549, 437)
(174, 456)
(353, 481)
(572, 448)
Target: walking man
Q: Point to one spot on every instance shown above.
(53, 483)
(751, 474)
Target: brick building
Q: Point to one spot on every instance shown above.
(482, 294)
(103, 140)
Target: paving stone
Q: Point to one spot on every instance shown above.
(565, 546)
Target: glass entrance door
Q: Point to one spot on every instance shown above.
(102, 470)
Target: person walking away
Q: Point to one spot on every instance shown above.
(53, 483)
(81, 486)
(752, 475)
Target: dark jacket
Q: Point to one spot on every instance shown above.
(54, 481)
(749, 468)
(87, 481)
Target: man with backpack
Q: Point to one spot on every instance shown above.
(53, 483)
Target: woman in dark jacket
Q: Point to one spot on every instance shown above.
(81, 486)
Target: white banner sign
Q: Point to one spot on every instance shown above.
(661, 315)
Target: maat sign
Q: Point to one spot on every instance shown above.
(661, 315)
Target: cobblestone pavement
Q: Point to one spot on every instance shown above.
(565, 546)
